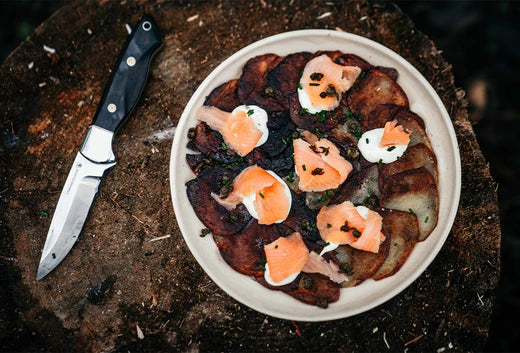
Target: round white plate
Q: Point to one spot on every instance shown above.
(423, 100)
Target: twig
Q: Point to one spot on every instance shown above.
(413, 340)
(160, 238)
(386, 342)
(297, 329)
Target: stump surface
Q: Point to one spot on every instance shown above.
(114, 279)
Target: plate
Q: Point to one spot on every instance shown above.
(423, 100)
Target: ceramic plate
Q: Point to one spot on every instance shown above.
(423, 100)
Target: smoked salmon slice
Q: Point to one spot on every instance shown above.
(343, 224)
(269, 197)
(319, 165)
(394, 134)
(286, 256)
(237, 129)
(324, 81)
(317, 264)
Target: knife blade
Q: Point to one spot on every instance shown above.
(120, 96)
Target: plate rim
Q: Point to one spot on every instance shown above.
(446, 227)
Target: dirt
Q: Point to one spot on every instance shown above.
(115, 279)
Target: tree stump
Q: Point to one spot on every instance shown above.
(116, 284)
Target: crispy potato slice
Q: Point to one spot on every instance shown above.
(403, 229)
(224, 97)
(214, 216)
(345, 59)
(284, 77)
(405, 117)
(414, 191)
(360, 265)
(211, 144)
(374, 89)
(322, 292)
(244, 251)
(252, 85)
(416, 157)
(360, 187)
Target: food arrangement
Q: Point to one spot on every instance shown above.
(312, 173)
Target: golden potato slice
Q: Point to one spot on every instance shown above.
(417, 156)
(403, 229)
(374, 89)
(414, 191)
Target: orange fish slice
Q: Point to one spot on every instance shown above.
(238, 130)
(271, 202)
(324, 81)
(337, 223)
(317, 264)
(394, 135)
(286, 256)
(319, 165)
(371, 237)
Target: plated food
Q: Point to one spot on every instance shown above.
(312, 173)
(422, 99)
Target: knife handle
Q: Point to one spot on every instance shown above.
(129, 75)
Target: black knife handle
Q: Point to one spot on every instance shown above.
(129, 75)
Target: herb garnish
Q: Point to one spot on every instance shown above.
(426, 219)
(391, 148)
(411, 211)
(367, 140)
(250, 112)
(304, 167)
(299, 85)
(314, 84)
(224, 146)
(329, 226)
(261, 195)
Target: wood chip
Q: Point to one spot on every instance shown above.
(140, 333)
(192, 18)
(324, 15)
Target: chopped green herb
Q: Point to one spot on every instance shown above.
(314, 84)
(334, 117)
(407, 132)
(329, 226)
(207, 97)
(391, 148)
(262, 267)
(305, 111)
(250, 112)
(323, 198)
(369, 190)
(395, 244)
(226, 183)
(299, 85)
(355, 107)
(426, 220)
(367, 140)
(43, 214)
(313, 225)
(327, 243)
(224, 146)
(381, 161)
(398, 158)
(405, 152)
(322, 118)
(240, 159)
(261, 195)
(372, 179)
(304, 167)
(362, 75)
(329, 193)
(411, 211)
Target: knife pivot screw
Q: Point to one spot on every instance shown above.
(147, 26)
(112, 108)
(130, 61)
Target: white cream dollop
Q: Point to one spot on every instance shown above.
(363, 212)
(249, 200)
(259, 117)
(369, 147)
(287, 280)
(305, 102)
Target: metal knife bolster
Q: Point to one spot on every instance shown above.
(97, 145)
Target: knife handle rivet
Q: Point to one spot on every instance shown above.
(147, 26)
(130, 61)
(111, 108)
